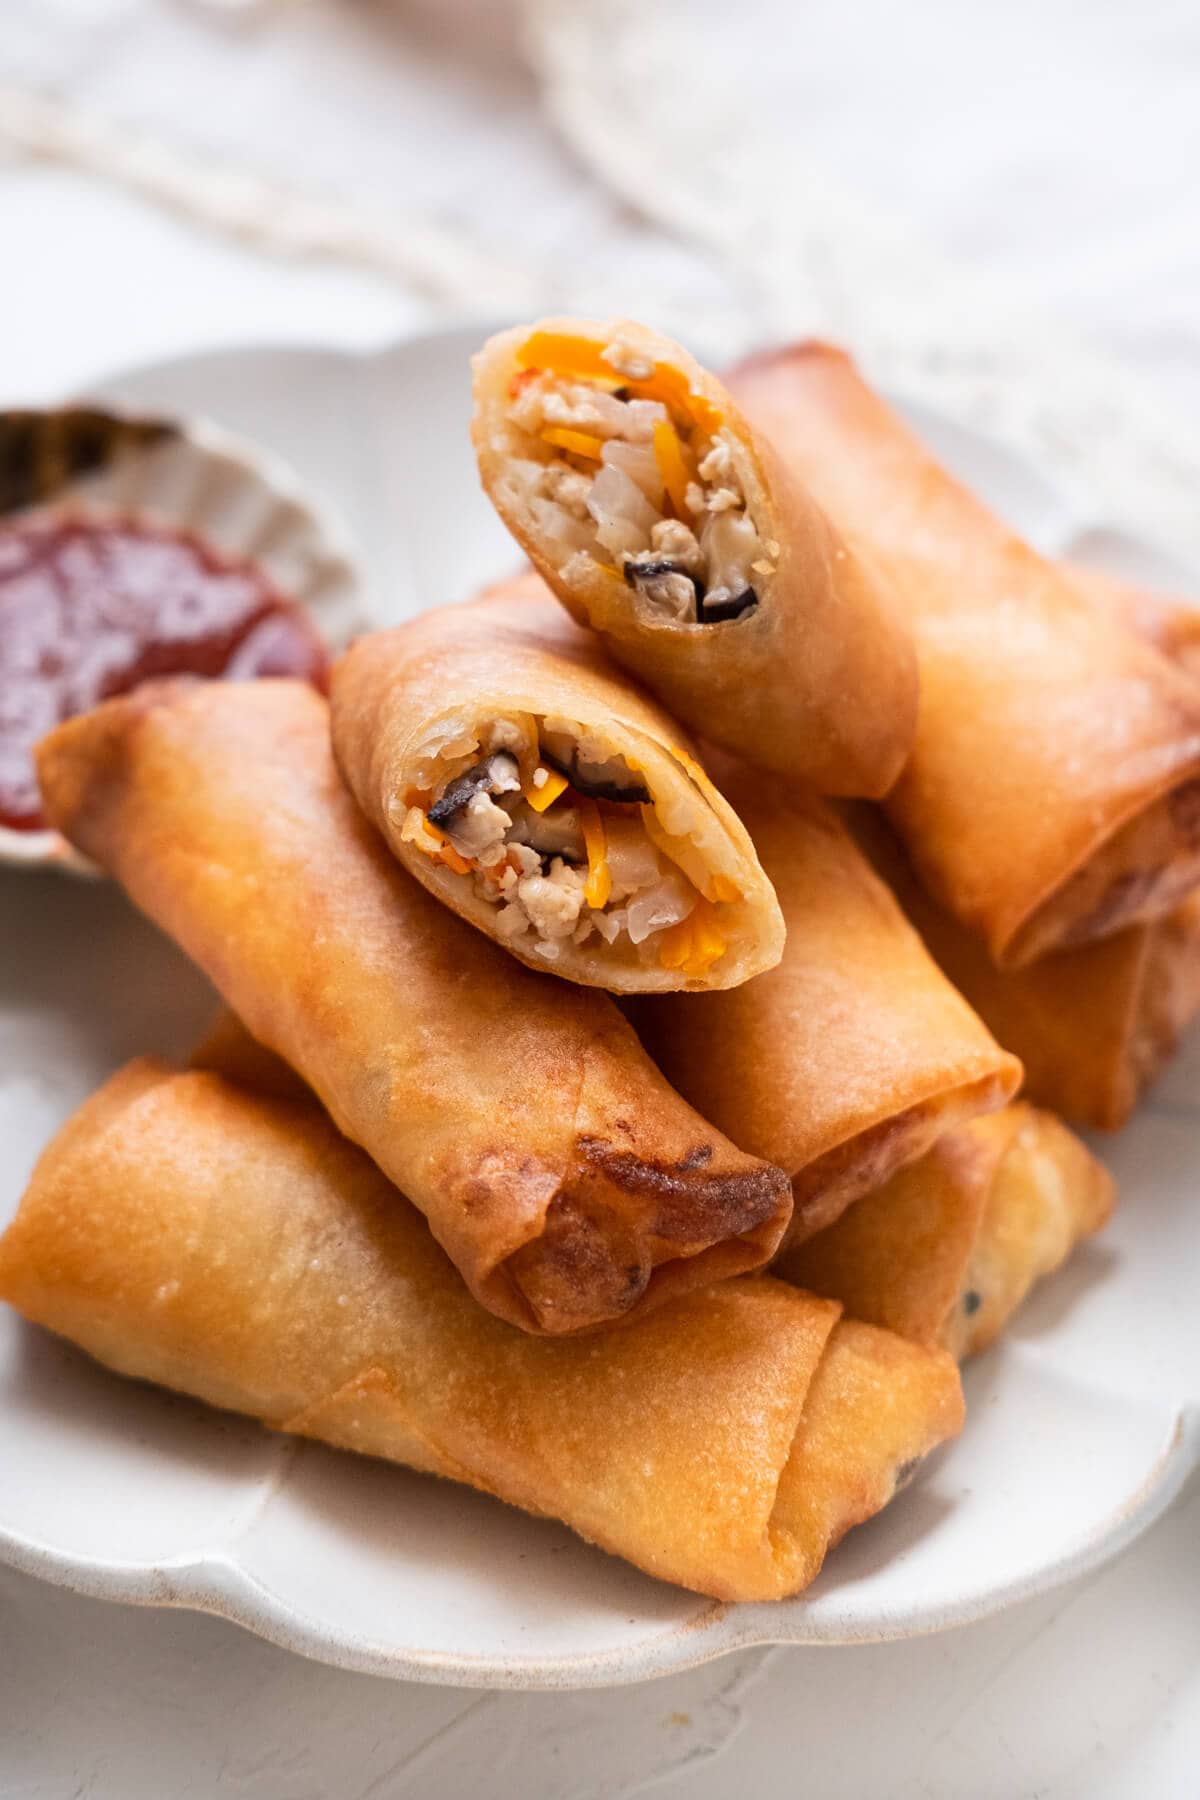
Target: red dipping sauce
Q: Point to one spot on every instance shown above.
(91, 607)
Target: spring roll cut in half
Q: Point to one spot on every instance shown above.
(1093, 1027)
(525, 780)
(852, 1055)
(1053, 792)
(946, 1251)
(556, 1167)
(230, 1245)
(659, 518)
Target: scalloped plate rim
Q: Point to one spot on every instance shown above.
(216, 1583)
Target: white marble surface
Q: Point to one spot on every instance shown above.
(1093, 1691)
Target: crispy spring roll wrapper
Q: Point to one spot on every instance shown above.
(705, 565)
(1053, 793)
(851, 1056)
(474, 716)
(947, 1249)
(1171, 624)
(231, 1245)
(556, 1167)
(1093, 1027)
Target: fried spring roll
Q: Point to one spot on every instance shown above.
(855, 1053)
(524, 780)
(558, 1170)
(1172, 625)
(947, 1250)
(659, 518)
(1053, 793)
(233, 1246)
(1093, 1027)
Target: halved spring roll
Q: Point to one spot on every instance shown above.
(524, 780)
(187, 1231)
(659, 518)
(947, 1250)
(556, 1167)
(1093, 1027)
(852, 1055)
(1053, 792)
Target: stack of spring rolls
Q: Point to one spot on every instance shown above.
(695, 904)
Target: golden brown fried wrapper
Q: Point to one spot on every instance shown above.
(1053, 793)
(1093, 1027)
(1171, 624)
(947, 1249)
(851, 1056)
(453, 730)
(757, 623)
(558, 1170)
(233, 1246)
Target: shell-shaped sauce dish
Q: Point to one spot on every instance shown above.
(182, 475)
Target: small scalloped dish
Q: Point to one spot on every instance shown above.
(155, 473)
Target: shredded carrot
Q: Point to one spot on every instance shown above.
(446, 853)
(461, 865)
(677, 394)
(693, 945)
(672, 466)
(565, 355)
(579, 443)
(419, 830)
(675, 944)
(599, 881)
(708, 941)
(581, 358)
(690, 764)
(540, 797)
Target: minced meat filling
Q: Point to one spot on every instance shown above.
(653, 497)
(554, 835)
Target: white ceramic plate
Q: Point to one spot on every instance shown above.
(1082, 1424)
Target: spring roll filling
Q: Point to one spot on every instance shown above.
(617, 463)
(563, 839)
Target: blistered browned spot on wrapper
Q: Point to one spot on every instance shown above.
(583, 1270)
(692, 1205)
(626, 1224)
